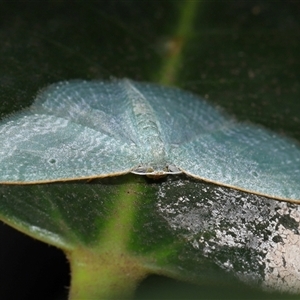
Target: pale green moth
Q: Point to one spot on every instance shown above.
(92, 129)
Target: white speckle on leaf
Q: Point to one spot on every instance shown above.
(255, 238)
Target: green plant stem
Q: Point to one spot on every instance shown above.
(173, 58)
(104, 275)
(107, 270)
(118, 226)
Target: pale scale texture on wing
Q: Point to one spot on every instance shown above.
(42, 148)
(99, 105)
(116, 108)
(244, 157)
(182, 115)
(151, 143)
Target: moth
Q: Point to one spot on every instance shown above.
(93, 129)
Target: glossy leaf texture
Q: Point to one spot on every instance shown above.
(241, 56)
